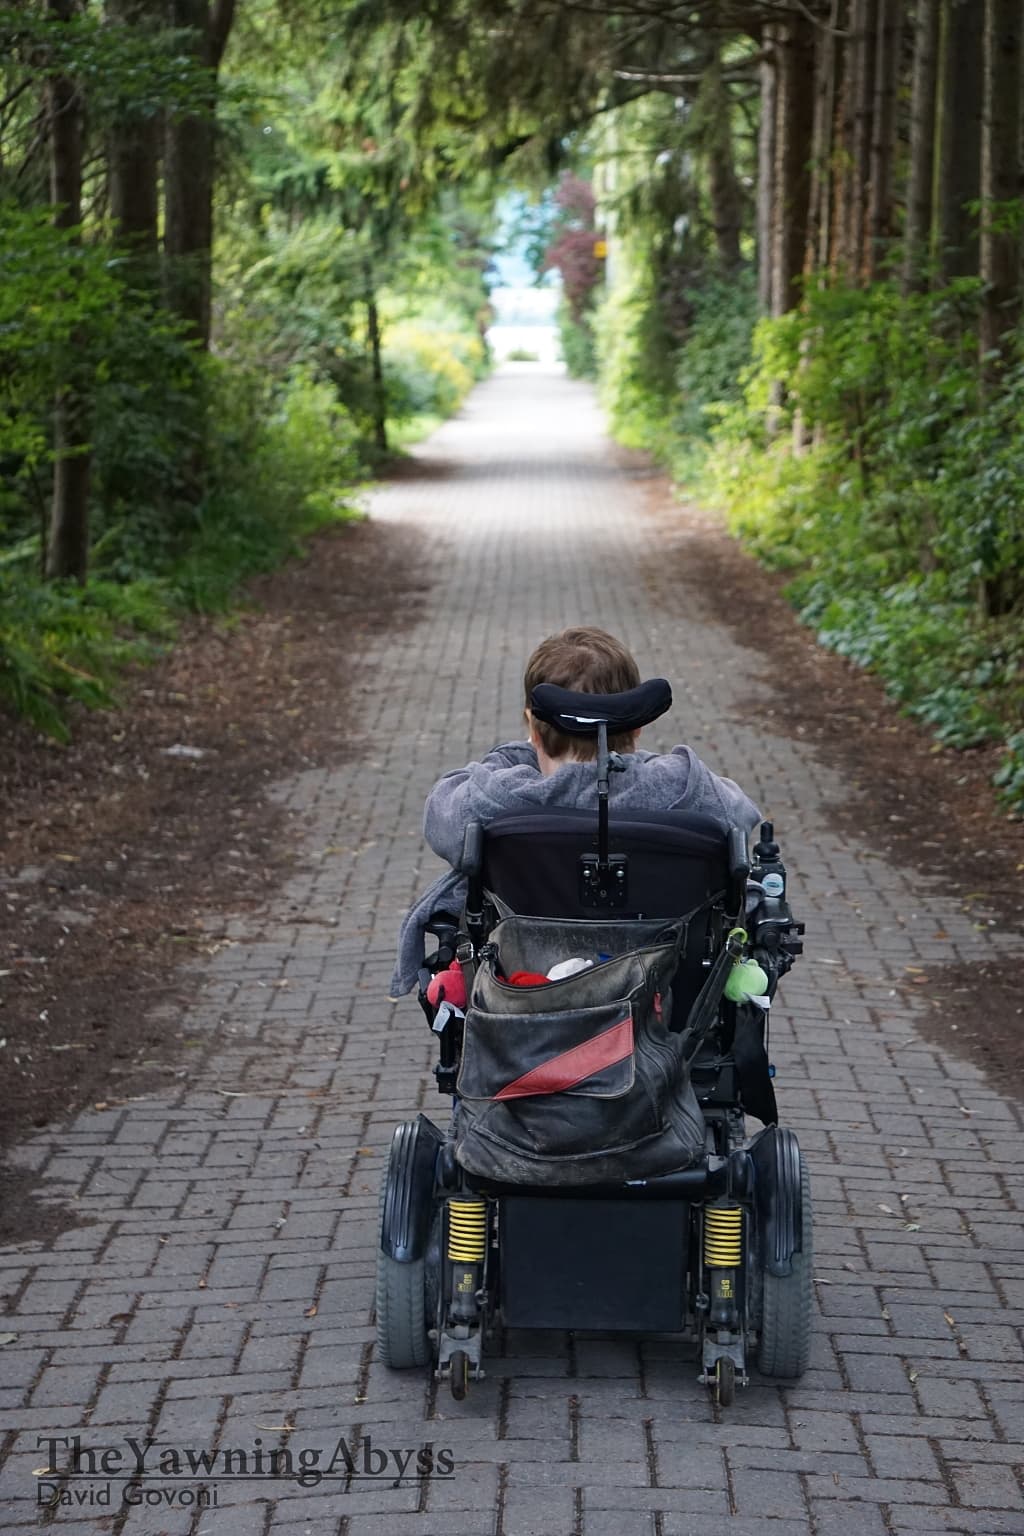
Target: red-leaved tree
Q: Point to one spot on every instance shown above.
(571, 251)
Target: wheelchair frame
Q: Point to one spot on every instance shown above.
(719, 1253)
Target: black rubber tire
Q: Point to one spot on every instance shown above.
(402, 1340)
(785, 1342)
(725, 1382)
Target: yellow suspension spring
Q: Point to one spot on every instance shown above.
(467, 1231)
(723, 1236)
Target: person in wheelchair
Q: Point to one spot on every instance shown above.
(555, 769)
(596, 1171)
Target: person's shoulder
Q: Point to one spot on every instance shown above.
(512, 754)
(675, 763)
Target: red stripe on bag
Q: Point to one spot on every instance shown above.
(572, 1067)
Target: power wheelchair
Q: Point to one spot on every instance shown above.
(597, 1174)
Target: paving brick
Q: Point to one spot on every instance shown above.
(531, 1513)
(876, 1490)
(989, 1487)
(767, 1493)
(620, 1522)
(902, 1456)
(837, 1517)
(480, 1524)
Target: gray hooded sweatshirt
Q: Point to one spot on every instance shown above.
(509, 779)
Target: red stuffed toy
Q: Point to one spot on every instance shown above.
(448, 987)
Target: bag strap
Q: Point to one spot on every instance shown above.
(704, 1011)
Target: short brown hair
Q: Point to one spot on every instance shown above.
(587, 660)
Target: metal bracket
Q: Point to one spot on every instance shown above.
(470, 1341)
(604, 884)
(729, 1347)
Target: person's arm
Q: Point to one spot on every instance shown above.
(479, 792)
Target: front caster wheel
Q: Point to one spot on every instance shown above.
(725, 1383)
(459, 1378)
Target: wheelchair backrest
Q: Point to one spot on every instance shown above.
(678, 861)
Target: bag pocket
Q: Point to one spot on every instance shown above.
(585, 1053)
(538, 943)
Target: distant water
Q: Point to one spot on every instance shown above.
(541, 341)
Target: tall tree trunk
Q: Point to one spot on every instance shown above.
(795, 127)
(826, 82)
(863, 40)
(883, 124)
(67, 551)
(958, 172)
(380, 402)
(723, 185)
(843, 244)
(1000, 178)
(766, 170)
(134, 159)
(923, 134)
(189, 167)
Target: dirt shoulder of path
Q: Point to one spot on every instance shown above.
(122, 855)
(927, 808)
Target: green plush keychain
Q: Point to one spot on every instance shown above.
(746, 980)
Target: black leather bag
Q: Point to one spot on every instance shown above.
(578, 1081)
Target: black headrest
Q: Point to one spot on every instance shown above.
(578, 714)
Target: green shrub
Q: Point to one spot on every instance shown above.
(578, 344)
(283, 464)
(60, 643)
(637, 365)
(715, 353)
(429, 370)
(864, 456)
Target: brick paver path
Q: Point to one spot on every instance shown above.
(222, 1294)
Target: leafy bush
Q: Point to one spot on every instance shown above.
(58, 309)
(716, 352)
(60, 642)
(637, 364)
(429, 370)
(864, 455)
(578, 345)
(282, 466)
